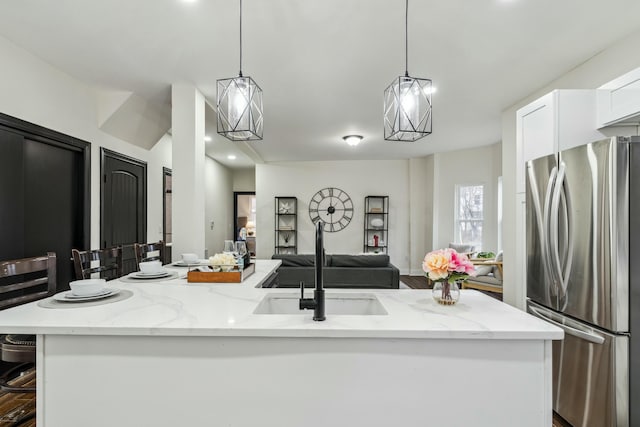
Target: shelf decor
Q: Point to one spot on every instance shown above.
(376, 224)
(447, 267)
(286, 225)
(407, 102)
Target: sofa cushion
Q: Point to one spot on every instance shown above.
(487, 280)
(297, 260)
(359, 260)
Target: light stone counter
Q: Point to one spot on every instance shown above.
(178, 308)
(178, 353)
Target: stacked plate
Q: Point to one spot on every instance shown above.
(69, 296)
(147, 276)
(186, 264)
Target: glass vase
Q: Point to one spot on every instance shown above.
(446, 293)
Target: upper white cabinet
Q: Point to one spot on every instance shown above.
(559, 120)
(619, 101)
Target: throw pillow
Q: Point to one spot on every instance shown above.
(461, 247)
(483, 270)
(496, 270)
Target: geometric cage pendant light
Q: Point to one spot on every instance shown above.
(239, 105)
(407, 103)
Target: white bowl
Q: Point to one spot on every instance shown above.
(87, 287)
(148, 267)
(377, 222)
(189, 258)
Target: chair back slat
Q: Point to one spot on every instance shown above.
(103, 263)
(23, 266)
(28, 279)
(24, 285)
(149, 252)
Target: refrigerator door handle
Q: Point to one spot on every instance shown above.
(568, 237)
(553, 230)
(571, 330)
(546, 243)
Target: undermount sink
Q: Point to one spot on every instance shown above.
(353, 304)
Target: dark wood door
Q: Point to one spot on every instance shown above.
(44, 192)
(124, 204)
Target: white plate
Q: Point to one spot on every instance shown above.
(184, 264)
(104, 291)
(69, 297)
(141, 275)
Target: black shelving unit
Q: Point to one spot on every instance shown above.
(286, 225)
(376, 224)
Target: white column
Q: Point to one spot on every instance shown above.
(188, 198)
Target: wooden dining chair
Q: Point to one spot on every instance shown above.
(22, 281)
(103, 263)
(149, 252)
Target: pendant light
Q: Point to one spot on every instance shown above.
(239, 105)
(407, 102)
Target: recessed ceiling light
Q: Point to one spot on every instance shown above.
(231, 157)
(207, 138)
(352, 140)
(189, 1)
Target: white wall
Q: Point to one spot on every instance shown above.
(356, 178)
(218, 205)
(158, 157)
(466, 167)
(612, 62)
(244, 179)
(421, 205)
(34, 91)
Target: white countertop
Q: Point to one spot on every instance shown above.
(178, 308)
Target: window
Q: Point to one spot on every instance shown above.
(469, 218)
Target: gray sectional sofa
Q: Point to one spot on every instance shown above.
(340, 271)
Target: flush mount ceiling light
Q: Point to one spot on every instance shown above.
(407, 102)
(239, 105)
(352, 140)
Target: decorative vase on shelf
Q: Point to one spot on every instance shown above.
(446, 293)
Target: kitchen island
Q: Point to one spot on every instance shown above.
(178, 354)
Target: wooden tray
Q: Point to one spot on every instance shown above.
(221, 276)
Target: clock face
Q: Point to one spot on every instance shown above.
(333, 207)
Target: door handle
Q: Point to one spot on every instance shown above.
(585, 335)
(546, 247)
(553, 227)
(568, 258)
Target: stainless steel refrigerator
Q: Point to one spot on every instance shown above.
(583, 275)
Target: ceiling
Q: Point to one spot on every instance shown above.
(323, 64)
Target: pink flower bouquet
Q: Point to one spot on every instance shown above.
(447, 265)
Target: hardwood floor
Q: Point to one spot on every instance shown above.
(415, 282)
(18, 409)
(559, 422)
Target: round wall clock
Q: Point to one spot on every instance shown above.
(333, 206)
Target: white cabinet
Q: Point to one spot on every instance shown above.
(559, 120)
(619, 101)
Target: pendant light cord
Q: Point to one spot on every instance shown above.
(406, 39)
(240, 73)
